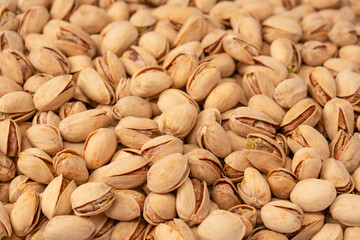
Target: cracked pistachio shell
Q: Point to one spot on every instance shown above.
(134, 132)
(20, 184)
(245, 120)
(104, 226)
(247, 214)
(36, 81)
(11, 40)
(204, 165)
(204, 78)
(350, 52)
(194, 29)
(212, 42)
(134, 229)
(165, 28)
(137, 58)
(343, 33)
(338, 114)
(15, 65)
(77, 127)
(329, 231)
(156, 44)
(89, 18)
(71, 108)
(315, 27)
(221, 224)
(225, 194)
(168, 173)
(315, 53)
(304, 112)
(262, 233)
(125, 152)
(264, 152)
(285, 51)
(351, 233)
(307, 136)
(161, 146)
(110, 68)
(254, 189)
(68, 227)
(63, 9)
(175, 229)
(26, 213)
(94, 86)
(178, 120)
(52, 94)
(345, 209)
(36, 40)
(143, 20)
(278, 27)
(33, 20)
(71, 165)
(235, 165)
(17, 105)
(290, 91)
(99, 147)
(119, 37)
(268, 106)
(49, 118)
(310, 225)
(321, 84)
(8, 85)
(237, 142)
(337, 65)
(241, 48)
(56, 197)
(70, 39)
(159, 208)
(306, 163)
(212, 137)
(7, 168)
(335, 172)
(282, 216)
(344, 148)
(223, 62)
(9, 19)
(257, 83)
(281, 181)
(10, 138)
(223, 11)
(178, 15)
(172, 97)
(45, 137)
(225, 96)
(149, 81)
(49, 60)
(313, 195)
(127, 173)
(128, 205)
(6, 229)
(247, 25)
(193, 201)
(36, 164)
(92, 198)
(348, 86)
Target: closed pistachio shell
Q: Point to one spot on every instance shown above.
(285, 51)
(132, 106)
(174, 168)
(172, 97)
(56, 197)
(276, 27)
(345, 209)
(223, 62)
(45, 137)
(17, 105)
(337, 65)
(268, 106)
(313, 195)
(330, 231)
(264, 233)
(335, 172)
(8, 85)
(347, 85)
(155, 43)
(159, 208)
(36, 81)
(290, 91)
(315, 53)
(351, 233)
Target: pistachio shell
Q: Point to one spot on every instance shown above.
(225, 194)
(10, 139)
(159, 208)
(345, 209)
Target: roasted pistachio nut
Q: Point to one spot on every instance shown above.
(132, 106)
(68, 227)
(56, 197)
(20, 184)
(172, 97)
(174, 168)
(11, 40)
(128, 205)
(281, 181)
(134, 229)
(338, 114)
(77, 127)
(155, 43)
(45, 137)
(254, 189)
(221, 224)
(313, 195)
(235, 165)
(310, 225)
(337, 65)
(345, 209)
(90, 199)
(104, 226)
(306, 163)
(73, 167)
(26, 213)
(264, 153)
(7, 168)
(33, 83)
(225, 194)
(99, 147)
(10, 139)
(247, 214)
(36, 164)
(335, 172)
(304, 112)
(137, 58)
(15, 65)
(282, 216)
(285, 51)
(17, 105)
(127, 173)
(159, 208)
(161, 146)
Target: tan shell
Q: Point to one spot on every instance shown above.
(236, 162)
(56, 199)
(321, 78)
(345, 209)
(49, 118)
(5, 222)
(172, 97)
(110, 68)
(166, 231)
(45, 137)
(127, 230)
(281, 181)
(10, 139)
(306, 163)
(137, 58)
(193, 29)
(20, 184)
(159, 208)
(290, 91)
(212, 41)
(225, 194)
(156, 44)
(129, 172)
(17, 105)
(310, 225)
(168, 174)
(329, 230)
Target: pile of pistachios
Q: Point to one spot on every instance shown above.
(179, 120)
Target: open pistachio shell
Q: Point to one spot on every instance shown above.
(281, 181)
(159, 207)
(235, 165)
(176, 228)
(134, 229)
(10, 139)
(17, 105)
(225, 194)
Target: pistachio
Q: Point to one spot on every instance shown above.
(329, 231)
(158, 208)
(20, 184)
(285, 51)
(306, 163)
(281, 182)
(46, 138)
(335, 172)
(290, 91)
(17, 105)
(10, 139)
(345, 208)
(225, 193)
